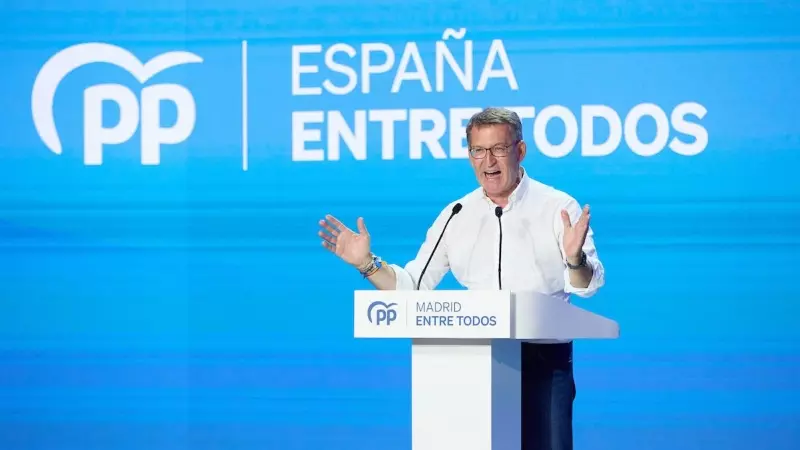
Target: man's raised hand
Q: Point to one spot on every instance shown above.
(353, 248)
(575, 234)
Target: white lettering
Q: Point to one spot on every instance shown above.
(431, 138)
(497, 50)
(297, 69)
(680, 124)
(340, 68)
(95, 135)
(367, 69)
(411, 52)
(363, 65)
(153, 135)
(524, 112)
(443, 133)
(443, 53)
(458, 129)
(588, 146)
(355, 140)
(387, 118)
(570, 131)
(301, 135)
(631, 129)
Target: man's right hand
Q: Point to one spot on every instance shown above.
(353, 248)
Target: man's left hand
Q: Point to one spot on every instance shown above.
(575, 235)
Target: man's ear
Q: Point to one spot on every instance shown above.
(522, 149)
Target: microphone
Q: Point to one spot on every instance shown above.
(456, 209)
(499, 212)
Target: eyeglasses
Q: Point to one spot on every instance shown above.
(499, 151)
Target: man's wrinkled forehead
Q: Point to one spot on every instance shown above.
(489, 135)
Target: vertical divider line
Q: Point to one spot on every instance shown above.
(245, 155)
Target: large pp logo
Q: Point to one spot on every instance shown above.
(134, 113)
(379, 312)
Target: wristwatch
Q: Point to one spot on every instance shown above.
(374, 265)
(580, 264)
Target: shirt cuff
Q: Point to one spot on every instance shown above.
(597, 281)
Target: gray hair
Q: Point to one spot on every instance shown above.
(497, 116)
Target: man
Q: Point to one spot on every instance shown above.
(547, 247)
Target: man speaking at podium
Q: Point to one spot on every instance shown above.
(511, 233)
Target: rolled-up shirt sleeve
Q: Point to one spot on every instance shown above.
(403, 280)
(406, 277)
(592, 259)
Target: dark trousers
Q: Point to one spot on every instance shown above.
(548, 391)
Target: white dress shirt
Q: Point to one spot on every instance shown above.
(532, 254)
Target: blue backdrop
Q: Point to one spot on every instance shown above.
(162, 284)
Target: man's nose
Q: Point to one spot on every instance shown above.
(490, 159)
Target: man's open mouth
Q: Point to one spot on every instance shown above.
(492, 174)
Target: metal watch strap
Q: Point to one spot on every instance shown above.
(580, 264)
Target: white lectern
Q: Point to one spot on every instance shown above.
(465, 356)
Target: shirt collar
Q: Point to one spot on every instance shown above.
(517, 193)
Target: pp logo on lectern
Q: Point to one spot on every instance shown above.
(379, 312)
